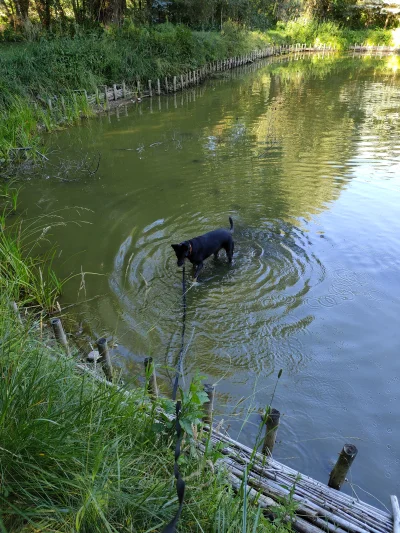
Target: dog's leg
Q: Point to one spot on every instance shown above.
(199, 266)
(229, 250)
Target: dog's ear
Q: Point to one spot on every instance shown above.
(175, 246)
(185, 246)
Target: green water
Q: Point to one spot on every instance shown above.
(305, 157)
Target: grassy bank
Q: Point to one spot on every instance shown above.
(77, 454)
(31, 72)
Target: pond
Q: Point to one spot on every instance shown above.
(304, 155)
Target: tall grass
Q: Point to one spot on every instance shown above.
(78, 455)
(304, 30)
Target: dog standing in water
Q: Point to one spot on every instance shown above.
(196, 250)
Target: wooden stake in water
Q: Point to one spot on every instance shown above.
(104, 358)
(115, 92)
(59, 333)
(209, 406)
(150, 89)
(272, 420)
(342, 466)
(151, 376)
(158, 88)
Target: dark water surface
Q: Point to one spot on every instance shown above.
(305, 156)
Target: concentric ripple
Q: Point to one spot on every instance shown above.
(248, 314)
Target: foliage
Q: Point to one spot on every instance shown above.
(78, 455)
(308, 31)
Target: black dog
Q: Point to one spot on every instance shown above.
(199, 248)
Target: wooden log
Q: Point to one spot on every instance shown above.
(396, 514)
(209, 406)
(272, 418)
(151, 378)
(150, 89)
(59, 333)
(104, 358)
(344, 462)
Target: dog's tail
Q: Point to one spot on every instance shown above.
(231, 223)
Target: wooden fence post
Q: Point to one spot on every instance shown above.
(104, 358)
(106, 97)
(150, 89)
(166, 84)
(151, 377)
(59, 333)
(344, 462)
(158, 87)
(209, 406)
(272, 418)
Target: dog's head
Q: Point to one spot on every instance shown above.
(182, 251)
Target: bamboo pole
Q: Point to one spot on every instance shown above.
(342, 466)
(396, 514)
(14, 307)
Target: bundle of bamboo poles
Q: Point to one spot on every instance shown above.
(318, 507)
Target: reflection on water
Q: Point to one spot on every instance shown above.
(304, 155)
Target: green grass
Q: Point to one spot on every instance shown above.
(26, 273)
(78, 455)
(330, 33)
(31, 72)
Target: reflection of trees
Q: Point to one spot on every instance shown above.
(295, 125)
